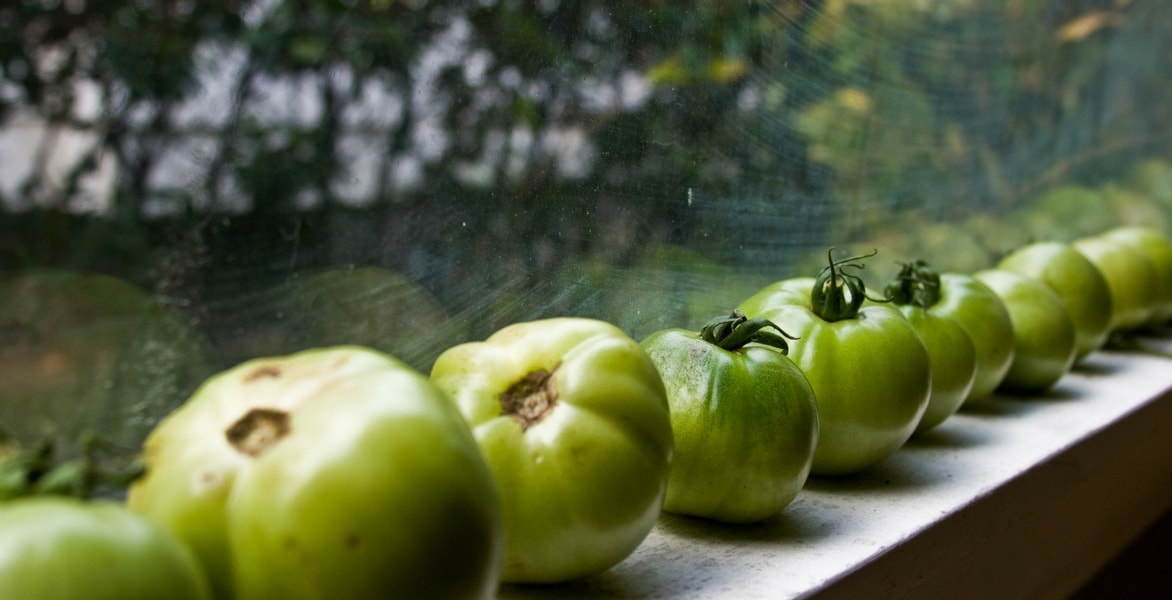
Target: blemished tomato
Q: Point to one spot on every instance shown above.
(1075, 279)
(58, 548)
(1131, 277)
(331, 473)
(743, 415)
(572, 418)
(1043, 332)
(916, 292)
(867, 365)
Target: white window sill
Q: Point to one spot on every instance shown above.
(1024, 499)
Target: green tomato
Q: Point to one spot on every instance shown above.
(84, 352)
(986, 320)
(797, 288)
(572, 417)
(952, 246)
(672, 286)
(916, 292)
(1134, 208)
(354, 305)
(1064, 213)
(1075, 279)
(954, 363)
(1043, 332)
(58, 548)
(744, 419)
(867, 365)
(338, 472)
(1158, 248)
(1131, 277)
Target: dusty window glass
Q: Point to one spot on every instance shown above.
(186, 185)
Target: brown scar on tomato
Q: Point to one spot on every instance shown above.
(266, 372)
(530, 399)
(257, 431)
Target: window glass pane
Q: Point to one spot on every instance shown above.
(186, 185)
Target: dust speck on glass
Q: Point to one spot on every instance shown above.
(187, 185)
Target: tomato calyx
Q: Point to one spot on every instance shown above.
(531, 398)
(36, 470)
(916, 284)
(837, 294)
(736, 330)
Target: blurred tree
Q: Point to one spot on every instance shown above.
(478, 145)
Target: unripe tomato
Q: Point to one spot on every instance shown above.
(1158, 248)
(867, 365)
(916, 292)
(1131, 277)
(985, 319)
(1076, 280)
(572, 418)
(743, 416)
(1043, 332)
(337, 472)
(57, 548)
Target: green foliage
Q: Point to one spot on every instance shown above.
(494, 142)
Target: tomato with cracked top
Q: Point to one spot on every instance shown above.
(336, 472)
(572, 418)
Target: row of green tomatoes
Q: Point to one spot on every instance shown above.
(547, 451)
(856, 374)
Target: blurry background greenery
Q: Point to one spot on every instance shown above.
(647, 162)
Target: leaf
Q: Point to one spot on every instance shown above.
(725, 69)
(674, 70)
(1080, 28)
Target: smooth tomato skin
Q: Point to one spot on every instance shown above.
(1158, 248)
(1131, 277)
(376, 488)
(871, 377)
(800, 286)
(985, 319)
(1044, 333)
(745, 424)
(1075, 279)
(954, 363)
(582, 487)
(57, 548)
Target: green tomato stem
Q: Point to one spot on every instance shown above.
(917, 284)
(34, 471)
(839, 295)
(736, 331)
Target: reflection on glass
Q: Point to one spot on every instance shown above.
(411, 174)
